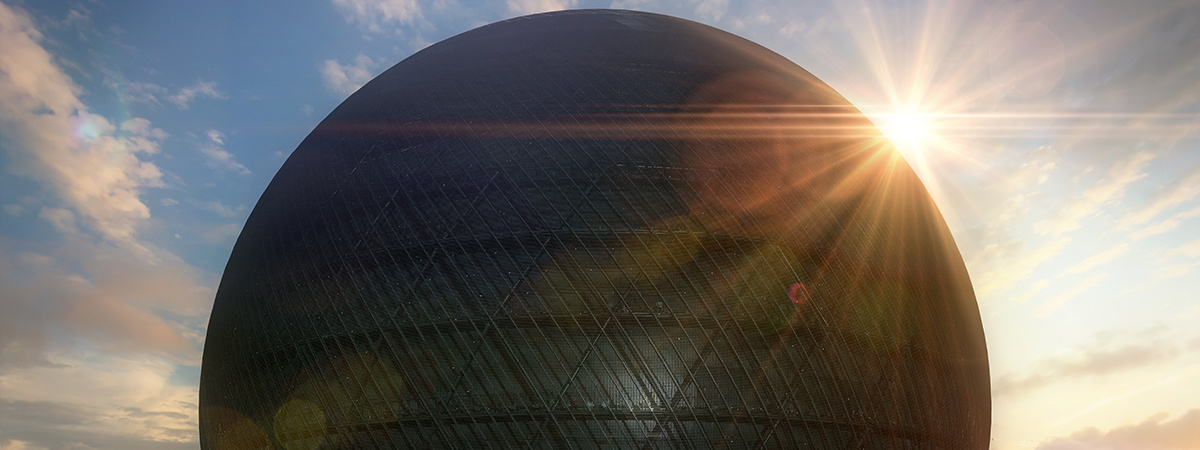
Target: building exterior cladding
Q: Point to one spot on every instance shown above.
(595, 229)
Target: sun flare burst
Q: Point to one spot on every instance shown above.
(908, 128)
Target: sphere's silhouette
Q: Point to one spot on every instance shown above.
(595, 229)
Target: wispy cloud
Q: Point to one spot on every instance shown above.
(1033, 290)
(523, 7)
(218, 157)
(1055, 303)
(345, 79)
(1007, 272)
(374, 15)
(1098, 259)
(222, 209)
(1166, 225)
(136, 92)
(62, 219)
(222, 234)
(184, 97)
(1109, 189)
(1190, 250)
(1101, 358)
(1174, 194)
(1156, 432)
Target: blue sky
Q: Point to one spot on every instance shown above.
(1058, 138)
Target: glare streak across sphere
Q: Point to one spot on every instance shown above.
(595, 229)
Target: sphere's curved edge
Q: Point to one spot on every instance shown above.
(564, 230)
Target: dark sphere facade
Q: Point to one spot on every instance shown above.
(595, 229)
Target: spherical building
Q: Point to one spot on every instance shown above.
(595, 229)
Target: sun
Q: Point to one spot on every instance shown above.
(907, 129)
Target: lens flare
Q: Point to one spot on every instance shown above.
(798, 293)
(88, 128)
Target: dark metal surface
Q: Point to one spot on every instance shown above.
(585, 229)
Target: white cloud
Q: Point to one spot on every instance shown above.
(95, 167)
(1098, 259)
(345, 79)
(168, 202)
(218, 157)
(524, 7)
(184, 97)
(712, 9)
(374, 14)
(216, 136)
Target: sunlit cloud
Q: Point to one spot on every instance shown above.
(62, 219)
(345, 79)
(109, 296)
(1179, 269)
(1034, 289)
(1155, 432)
(94, 166)
(1103, 192)
(73, 400)
(1180, 191)
(1007, 273)
(97, 320)
(96, 329)
(1190, 250)
(1166, 225)
(1097, 360)
(1055, 303)
(1098, 259)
